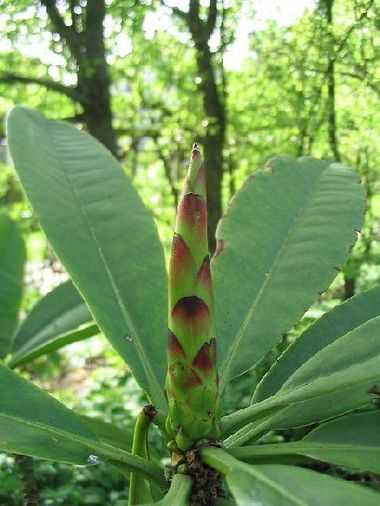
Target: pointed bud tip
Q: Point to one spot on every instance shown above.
(195, 151)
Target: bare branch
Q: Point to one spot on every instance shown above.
(68, 33)
(175, 10)
(212, 17)
(69, 91)
(352, 28)
(374, 86)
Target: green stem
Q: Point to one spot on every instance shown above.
(249, 433)
(238, 419)
(179, 492)
(284, 453)
(30, 491)
(139, 489)
(159, 421)
(218, 459)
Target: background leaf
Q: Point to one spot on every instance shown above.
(333, 325)
(12, 259)
(283, 237)
(52, 323)
(103, 234)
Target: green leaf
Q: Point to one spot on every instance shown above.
(102, 233)
(351, 441)
(109, 433)
(284, 236)
(34, 423)
(51, 324)
(12, 259)
(333, 325)
(335, 381)
(280, 485)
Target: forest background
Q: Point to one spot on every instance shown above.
(247, 80)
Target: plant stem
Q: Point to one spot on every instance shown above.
(218, 459)
(180, 490)
(139, 489)
(255, 412)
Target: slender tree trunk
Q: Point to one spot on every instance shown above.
(93, 77)
(213, 106)
(349, 280)
(29, 489)
(330, 75)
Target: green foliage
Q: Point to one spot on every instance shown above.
(51, 324)
(349, 441)
(102, 250)
(279, 221)
(332, 326)
(279, 244)
(12, 258)
(285, 485)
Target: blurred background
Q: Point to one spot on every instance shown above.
(247, 79)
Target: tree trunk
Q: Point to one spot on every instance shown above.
(349, 281)
(93, 78)
(213, 140)
(330, 74)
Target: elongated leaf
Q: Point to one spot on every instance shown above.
(54, 344)
(336, 380)
(103, 234)
(12, 259)
(109, 433)
(34, 423)
(280, 243)
(329, 328)
(280, 485)
(351, 441)
(52, 323)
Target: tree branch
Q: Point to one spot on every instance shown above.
(175, 10)
(374, 86)
(69, 91)
(211, 18)
(350, 30)
(68, 33)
